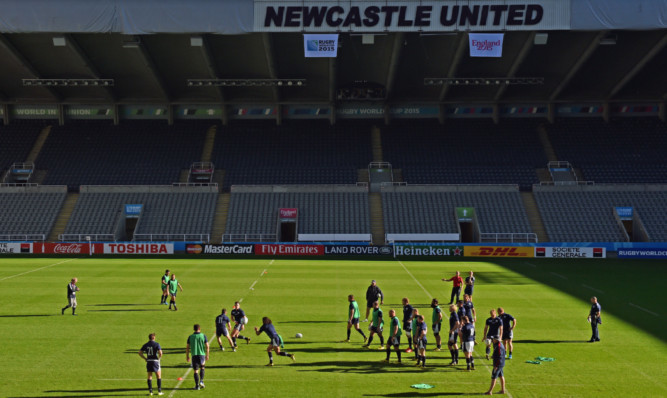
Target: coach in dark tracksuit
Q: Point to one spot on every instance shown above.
(373, 294)
(594, 319)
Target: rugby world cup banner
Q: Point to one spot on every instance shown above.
(410, 16)
(498, 251)
(642, 253)
(320, 46)
(571, 252)
(15, 248)
(486, 44)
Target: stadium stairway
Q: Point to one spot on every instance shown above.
(377, 219)
(362, 175)
(376, 144)
(209, 142)
(39, 143)
(220, 219)
(63, 216)
(546, 143)
(534, 217)
(185, 174)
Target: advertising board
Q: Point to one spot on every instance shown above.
(647, 253)
(278, 249)
(15, 248)
(498, 251)
(138, 248)
(219, 249)
(571, 252)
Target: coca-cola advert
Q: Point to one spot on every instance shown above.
(66, 248)
(288, 250)
(288, 213)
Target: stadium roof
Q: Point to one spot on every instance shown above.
(596, 65)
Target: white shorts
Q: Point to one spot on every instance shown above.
(72, 302)
(468, 346)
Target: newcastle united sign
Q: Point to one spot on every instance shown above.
(410, 15)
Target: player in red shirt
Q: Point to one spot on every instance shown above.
(456, 289)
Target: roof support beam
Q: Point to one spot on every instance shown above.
(271, 63)
(454, 66)
(639, 66)
(592, 46)
(150, 64)
(525, 50)
(9, 47)
(88, 64)
(213, 72)
(399, 38)
(332, 89)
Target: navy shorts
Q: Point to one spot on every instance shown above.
(421, 343)
(173, 294)
(407, 326)
(468, 290)
(198, 361)
(436, 328)
(221, 332)
(497, 373)
(355, 321)
(376, 329)
(275, 342)
(152, 366)
(238, 326)
(395, 341)
(509, 335)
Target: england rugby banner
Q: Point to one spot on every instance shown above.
(322, 46)
(486, 44)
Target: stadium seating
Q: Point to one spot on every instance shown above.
(626, 150)
(182, 211)
(17, 140)
(29, 210)
(297, 152)
(323, 212)
(586, 213)
(465, 151)
(132, 153)
(431, 209)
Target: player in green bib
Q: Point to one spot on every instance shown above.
(353, 318)
(395, 333)
(376, 326)
(164, 285)
(173, 289)
(199, 348)
(436, 322)
(415, 331)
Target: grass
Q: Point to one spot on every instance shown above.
(46, 354)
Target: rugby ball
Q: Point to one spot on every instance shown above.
(245, 320)
(298, 335)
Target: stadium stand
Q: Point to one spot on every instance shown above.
(626, 150)
(166, 211)
(587, 213)
(465, 151)
(29, 210)
(431, 209)
(135, 152)
(321, 210)
(17, 140)
(297, 152)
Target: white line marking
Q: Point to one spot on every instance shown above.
(27, 272)
(559, 275)
(272, 261)
(180, 382)
(531, 264)
(592, 288)
(644, 309)
(207, 379)
(253, 285)
(240, 300)
(415, 279)
(264, 272)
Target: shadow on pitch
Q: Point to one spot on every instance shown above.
(369, 367)
(421, 394)
(165, 351)
(549, 341)
(26, 315)
(117, 305)
(323, 322)
(125, 310)
(137, 392)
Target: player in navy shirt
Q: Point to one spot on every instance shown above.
(239, 324)
(508, 330)
(594, 319)
(223, 328)
(470, 285)
(453, 334)
(407, 321)
(421, 340)
(72, 288)
(469, 308)
(493, 327)
(276, 341)
(498, 365)
(151, 352)
(467, 334)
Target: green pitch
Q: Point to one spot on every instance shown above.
(46, 354)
